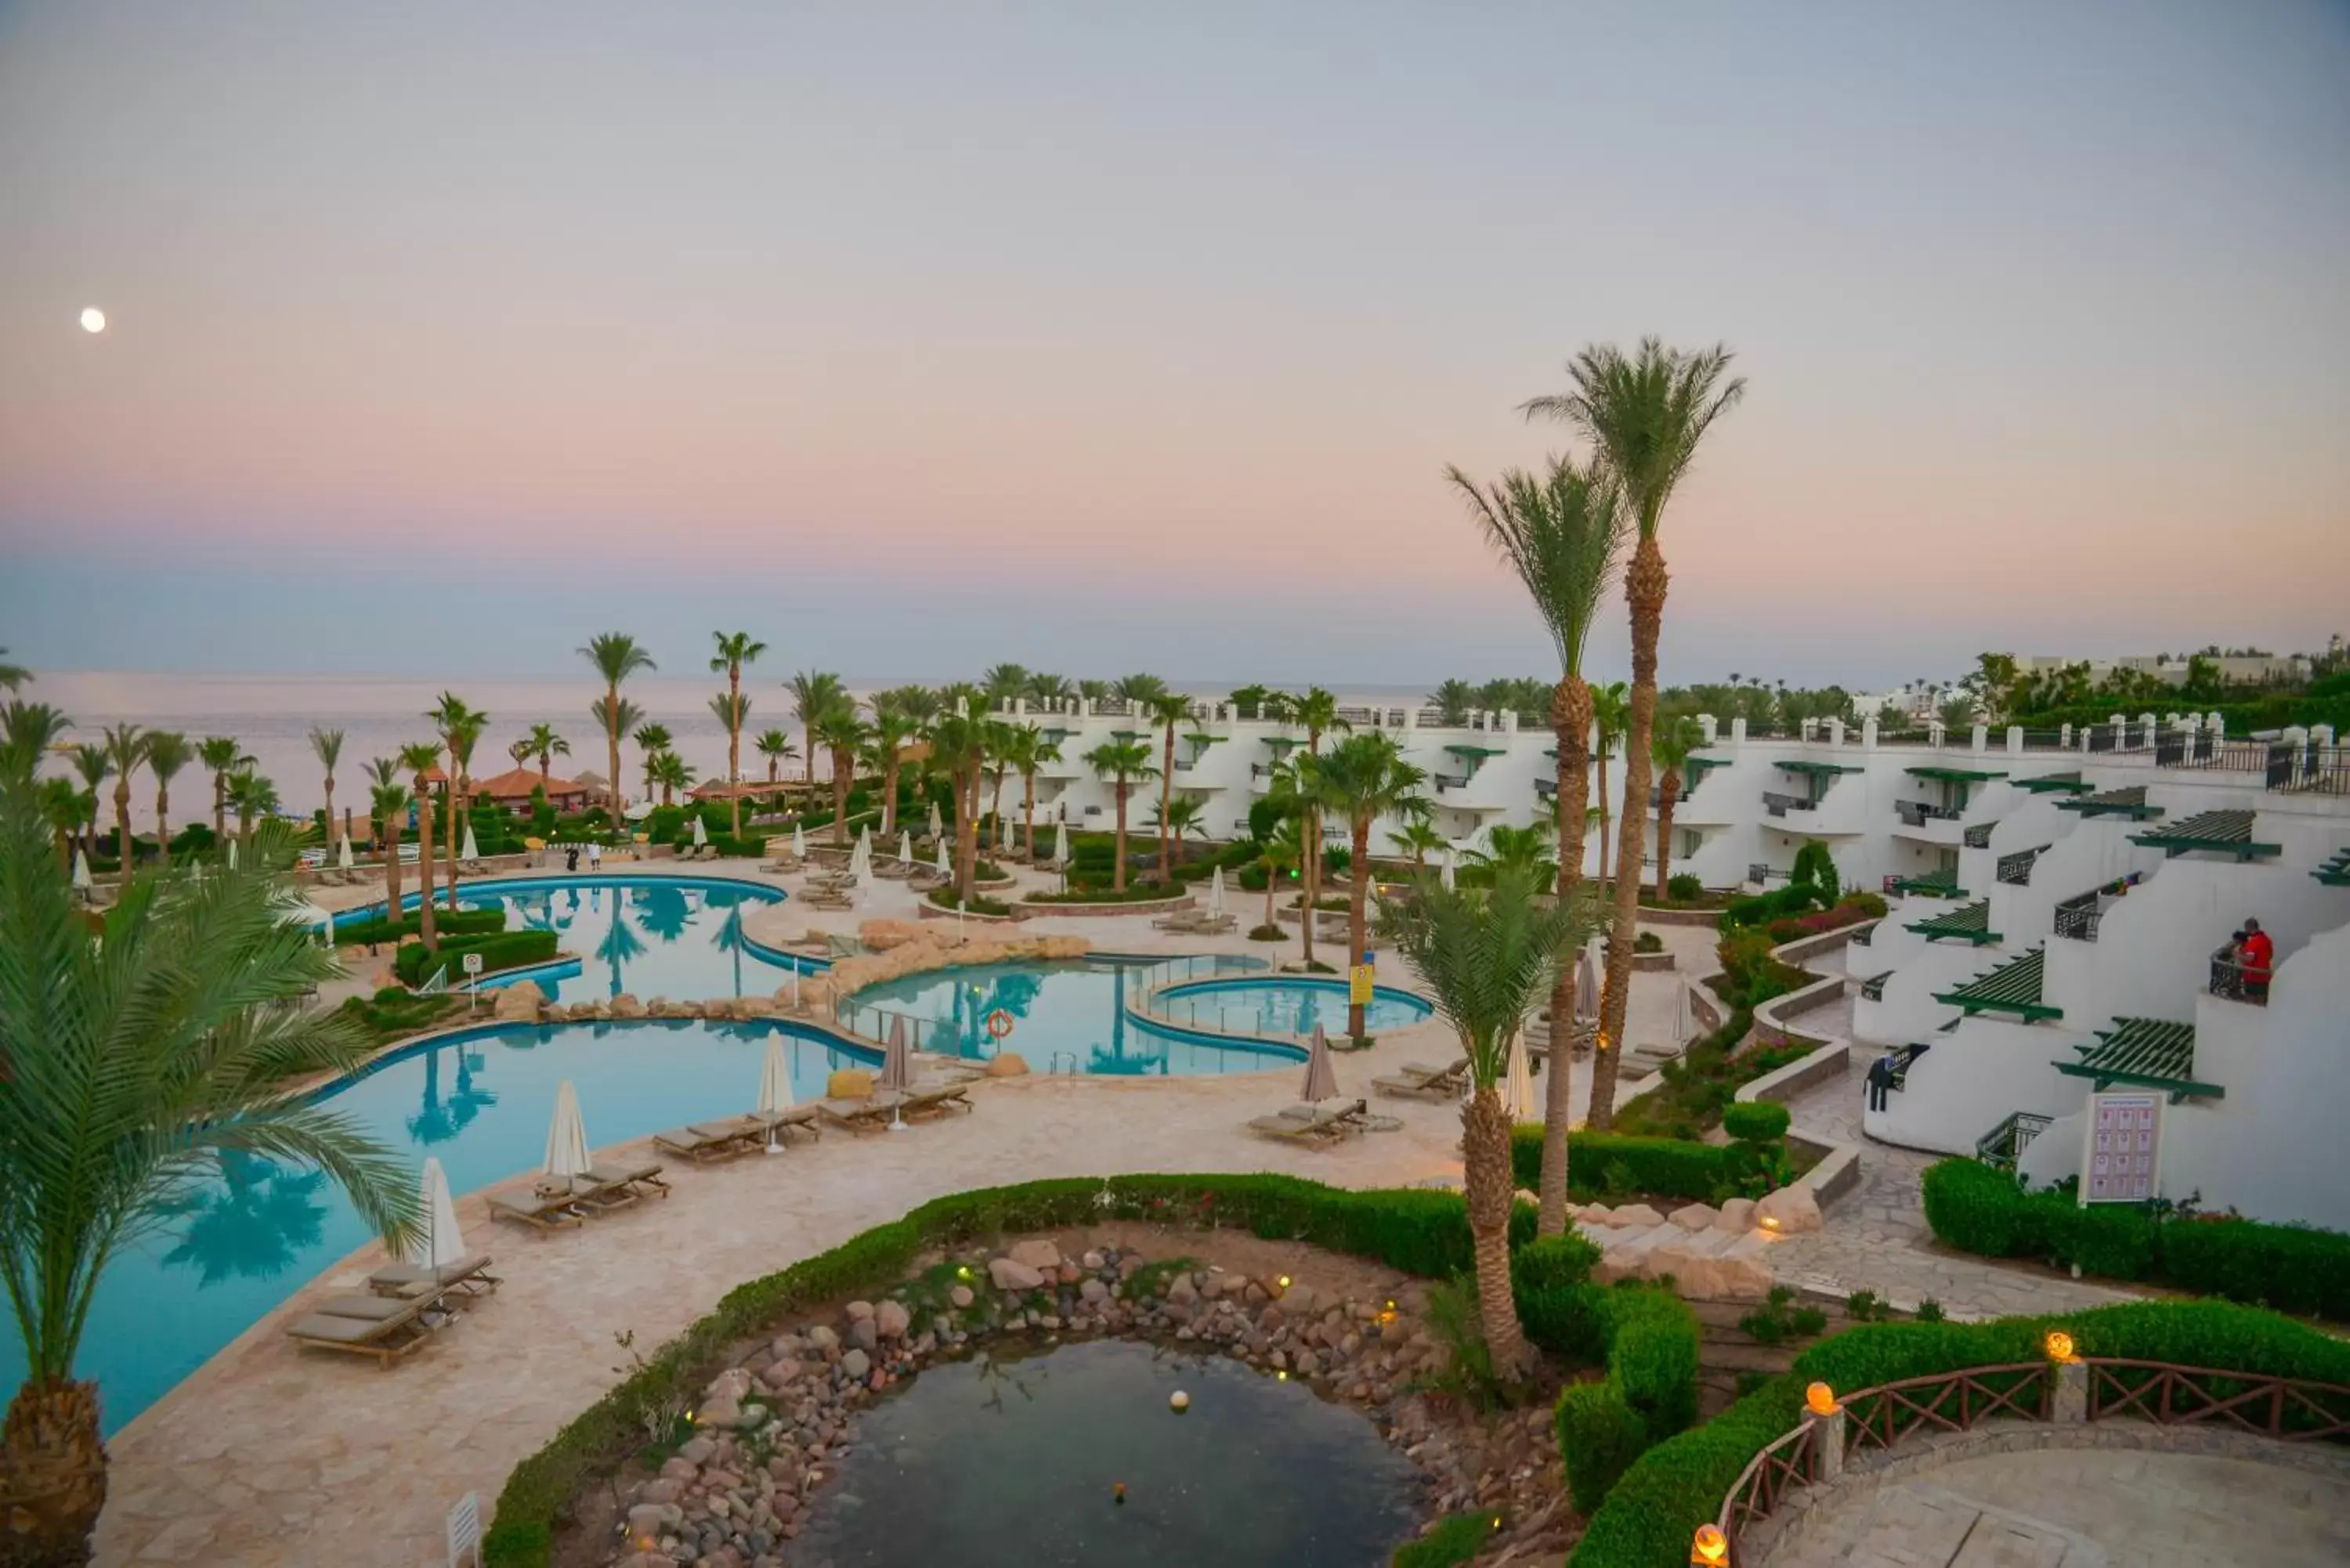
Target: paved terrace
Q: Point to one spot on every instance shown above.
(268, 1458)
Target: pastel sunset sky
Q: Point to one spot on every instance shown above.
(913, 337)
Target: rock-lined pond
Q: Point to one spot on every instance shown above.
(1015, 1461)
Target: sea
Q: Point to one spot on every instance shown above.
(272, 716)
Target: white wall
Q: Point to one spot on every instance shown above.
(1975, 1077)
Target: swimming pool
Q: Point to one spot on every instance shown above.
(1084, 1017)
(1285, 1004)
(679, 936)
(481, 1101)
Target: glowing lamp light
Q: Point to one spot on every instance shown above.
(1178, 1401)
(1769, 1223)
(2060, 1346)
(1283, 1281)
(1710, 1549)
(93, 320)
(1820, 1399)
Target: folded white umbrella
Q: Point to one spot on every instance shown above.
(897, 1062)
(774, 1089)
(905, 847)
(1445, 872)
(946, 867)
(566, 1138)
(934, 819)
(799, 842)
(437, 1240)
(1586, 986)
(1681, 1013)
(1003, 834)
(1518, 1084)
(82, 866)
(343, 854)
(472, 850)
(701, 833)
(1216, 892)
(1321, 1073)
(82, 876)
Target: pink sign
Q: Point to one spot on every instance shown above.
(2124, 1135)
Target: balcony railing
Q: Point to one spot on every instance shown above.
(1873, 988)
(2004, 1144)
(1781, 804)
(2016, 869)
(1977, 837)
(1546, 787)
(2077, 916)
(2229, 979)
(1918, 814)
(1447, 783)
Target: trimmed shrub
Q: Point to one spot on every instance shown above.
(500, 950)
(1560, 1309)
(1755, 1121)
(1599, 1437)
(1267, 934)
(1456, 1538)
(1680, 887)
(460, 922)
(1669, 1168)
(1652, 1355)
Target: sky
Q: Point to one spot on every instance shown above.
(914, 337)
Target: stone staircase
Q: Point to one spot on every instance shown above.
(1710, 1253)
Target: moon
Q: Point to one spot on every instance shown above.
(93, 320)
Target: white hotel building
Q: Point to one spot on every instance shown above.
(2059, 899)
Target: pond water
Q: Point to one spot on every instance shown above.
(1010, 1463)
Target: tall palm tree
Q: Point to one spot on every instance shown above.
(126, 748)
(1453, 699)
(1362, 779)
(1318, 712)
(814, 692)
(1677, 737)
(28, 730)
(1122, 762)
(420, 760)
(1029, 751)
(1048, 689)
(672, 773)
(891, 729)
(458, 723)
(12, 676)
(1003, 682)
(1416, 839)
(958, 749)
(1165, 709)
(326, 745)
(1486, 958)
(730, 708)
(92, 763)
(735, 650)
(1094, 691)
(138, 1056)
(615, 718)
(651, 740)
(997, 736)
(616, 656)
(221, 756)
(544, 745)
(1278, 853)
(254, 798)
(1611, 710)
(1647, 415)
(774, 746)
(168, 752)
(1561, 533)
(388, 797)
(841, 733)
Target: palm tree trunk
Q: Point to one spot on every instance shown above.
(52, 1474)
(424, 866)
(1357, 921)
(122, 823)
(1485, 1142)
(220, 807)
(1028, 811)
(995, 802)
(330, 811)
(1118, 874)
(448, 849)
(1166, 800)
(612, 746)
(162, 818)
(1644, 586)
(888, 792)
(735, 745)
(967, 835)
(1309, 872)
(388, 845)
(1602, 771)
(1570, 716)
(807, 760)
(1667, 793)
(839, 801)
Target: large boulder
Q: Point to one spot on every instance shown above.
(626, 1005)
(1011, 1274)
(1790, 1212)
(1694, 1217)
(520, 1003)
(1737, 1214)
(1637, 1214)
(1037, 1254)
(1007, 1064)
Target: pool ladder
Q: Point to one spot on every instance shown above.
(1054, 1065)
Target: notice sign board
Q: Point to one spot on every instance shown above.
(465, 1531)
(473, 964)
(2123, 1157)
(1359, 984)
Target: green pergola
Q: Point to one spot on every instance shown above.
(2227, 832)
(1468, 751)
(2054, 784)
(2129, 803)
(1130, 735)
(1953, 776)
(2335, 873)
(2012, 987)
(2143, 1052)
(1807, 766)
(1932, 885)
(1282, 742)
(1972, 924)
(1055, 735)
(1698, 764)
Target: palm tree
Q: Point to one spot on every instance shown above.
(774, 746)
(1677, 737)
(1453, 699)
(254, 798)
(730, 708)
(1415, 839)
(1611, 707)
(221, 756)
(652, 740)
(1049, 690)
(168, 752)
(814, 692)
(1165, 709)
(420, 760)
(132, 1076)
(544, 745)
(28, 732)
(1120, 762)
(891, 729)
(1003, 682)
(12, 676)
(841, 733)
(1028, 751)
(126, 748)
(616, 657)
(958, 748)
(326, 745)
(1529, 851)
(1279, 853)
(1562, 533)
(1185, 817)
(1647, 415)
(459, 727)
(1094, 691)
(1486, 958)
(735, 650)
(92, 762)
(1362, 779)
(614, 719)
(671, 771)
(388, 800)
(1318, 712)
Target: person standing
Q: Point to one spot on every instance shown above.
(2257, 958)
(595, 858)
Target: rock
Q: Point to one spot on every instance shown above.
(856, 1364)
(1037, 1254)
(1694, 1217)
(627, 1006)
(1011, 1274)
(859, 1311)
(720, 1412)
(1790, 1212)
(1394, 1332)
(1637, 1214)
(1094, 1291)
(1093, 1262)
(864, 1333)
(822, 1338)
(1737, 1214)
(520, 1002)
(892, 1319)
(1596, 1214)
(1181, 1291)
(1007, 1064)
(960, 1295)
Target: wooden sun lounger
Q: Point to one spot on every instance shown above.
(702, 1142)
(1313, 1124)
(871, 1114)
(541, 1212)
(637, 1180)
(937, 1099)
(1416, 1080)
(468, 1276)
(386, 1338)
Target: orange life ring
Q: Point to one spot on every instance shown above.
(999, 1024)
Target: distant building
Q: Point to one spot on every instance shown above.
(2234, 669)
(513, 790)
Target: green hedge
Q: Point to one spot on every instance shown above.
(1456, 1538)
(1419, 1233)
(1755, 1121)
(1669, 1168)
(1559, 1308)
(446, 922)
(1650, 1515)
(1599, 1437)
(1649, 1395)
(500, 950)
(2293, 1268)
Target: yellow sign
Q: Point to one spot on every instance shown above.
(1359, 985)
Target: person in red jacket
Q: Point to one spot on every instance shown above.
(2259, 959)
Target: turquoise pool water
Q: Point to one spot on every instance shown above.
(237, 1247)
(680, 937)
(1064, 1017)
(1291, 1005)
(1009, 1462)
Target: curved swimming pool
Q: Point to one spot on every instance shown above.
(1280, 1004)
(480, 1100)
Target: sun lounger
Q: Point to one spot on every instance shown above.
(540, 1210)
(1314, 1124)
(468, 1276)
(827, 898)
(1180, 920)
(637, 1180)
(372, 1308)
(385, 1338)
(936, 1099)
(1416, 1080)
(871, 1114)
(703, 1142)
